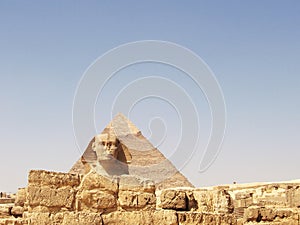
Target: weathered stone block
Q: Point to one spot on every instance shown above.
(93, 181)
(286, 213)
(17, 211)
(243, 203)
(146, 200)
(63, 218)
(222, 202)
(251, 213)
(5, 210)
(76, 218)
(243, 195)
(195, 218)
(46, 196)
(136, 200)
(190, 218)
(173, 199)
(141, 218)
(270, 214)
(20, 197)
(165, 217)
(38, 218)
(267, 214)
(217, 201)
(55, 179)
(95, 201)
(128, 199)
(293, 197)
(13, 221)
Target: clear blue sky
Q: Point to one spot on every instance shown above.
(253, 47)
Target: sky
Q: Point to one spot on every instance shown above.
(252, 47)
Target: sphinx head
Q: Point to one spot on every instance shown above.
(105, 147)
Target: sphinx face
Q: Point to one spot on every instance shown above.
(105, 147)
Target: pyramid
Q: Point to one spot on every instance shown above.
(122, 149)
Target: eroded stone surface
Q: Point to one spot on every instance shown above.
(194, 218)
(136, 200)
(136, 193)
(216, 200)
(93, 181)
(21, 197)
(141, 218)
(56, 179)
(271, 214)
(5, 210)
(95, 201)
(17, 211)
(173, 199)
(50, 197)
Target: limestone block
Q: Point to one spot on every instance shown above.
(271, 194)
(282, 213)
(267, 214)
(293, 197)
(20, 197)
(195, 218)
(243, 199)
(222, 202)
(17, 211)
(5, 210)
(42, 209)
(146, 200)
(243, 195)
(38, 218)
(76, 218)
(128, 199)
(13, 221)
(190, 218)
(251, 213)
(93, 181)
(95, 201)
(214, 201)
(141, 218)
(243, 203)
(127, 218)
(173, 199)
(64, 218)
(270, 214)
(136, 200)
(165, 217)
(204, 200)
(82, 219)
(53, 179)
(50, 197)
(240, 221)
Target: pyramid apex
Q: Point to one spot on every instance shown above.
(120, 115)
(122, 125)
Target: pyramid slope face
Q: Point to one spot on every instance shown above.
(122, 149)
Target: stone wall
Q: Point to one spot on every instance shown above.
(64, 198)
